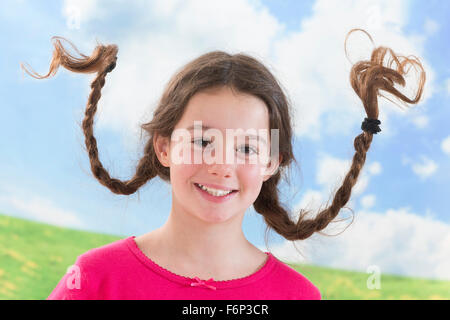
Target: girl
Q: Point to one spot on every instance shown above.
(201, 251)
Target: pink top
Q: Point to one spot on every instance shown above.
(120, 271)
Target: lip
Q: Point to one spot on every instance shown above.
(216, 186)
(212, 198)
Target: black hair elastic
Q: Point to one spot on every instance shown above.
(110, 67)
(371, 125)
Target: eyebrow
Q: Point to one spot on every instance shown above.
(257, 137)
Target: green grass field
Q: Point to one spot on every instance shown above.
(35, 256)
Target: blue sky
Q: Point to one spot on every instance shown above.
(402, 192)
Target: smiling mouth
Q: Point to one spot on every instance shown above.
(215, 193)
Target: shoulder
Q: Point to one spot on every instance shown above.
(104, 256)
(97, 265)
(87, 277)
(90, 275)
(298, 282)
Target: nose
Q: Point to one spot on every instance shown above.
(221, 167)
(220, 170)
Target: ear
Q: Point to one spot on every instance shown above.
(271, 168)
(162, 148)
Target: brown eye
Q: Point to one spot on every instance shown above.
(250, 148)
(202, 141)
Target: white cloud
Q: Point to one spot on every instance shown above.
(445, 145)
(41, 209)
(374, 168)
(430, 26)
(310, 63)
(315, 69)
(420, 121)
(368, 201)
(311, 200)
(425, 168)
(170, 34)
(332, 171)
(85, 10)
(397, 241)
(330, 176)
(447, 84)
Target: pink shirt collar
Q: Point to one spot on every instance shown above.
(197, 282)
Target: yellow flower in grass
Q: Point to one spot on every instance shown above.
(8, 285)
(7, 289)
(31, 264)
(15, 255)
(28, 267)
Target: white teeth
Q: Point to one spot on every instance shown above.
(214, 192)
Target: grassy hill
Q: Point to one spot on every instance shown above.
(35, 256)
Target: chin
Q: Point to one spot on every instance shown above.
(215, 217)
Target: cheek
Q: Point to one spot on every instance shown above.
(251, 181)
(250, 175)
(180, 174)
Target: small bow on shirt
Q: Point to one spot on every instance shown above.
(202, 282)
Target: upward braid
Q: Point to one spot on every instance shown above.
(143, 170)
(246, 74)
(102, 61)
(367, 79)
(304, 228)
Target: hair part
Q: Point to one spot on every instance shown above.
(245, 74)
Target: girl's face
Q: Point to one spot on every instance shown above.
(211, 158)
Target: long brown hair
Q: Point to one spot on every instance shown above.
(245, 74)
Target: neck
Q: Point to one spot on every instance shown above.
(204, 243)
(192, 246)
